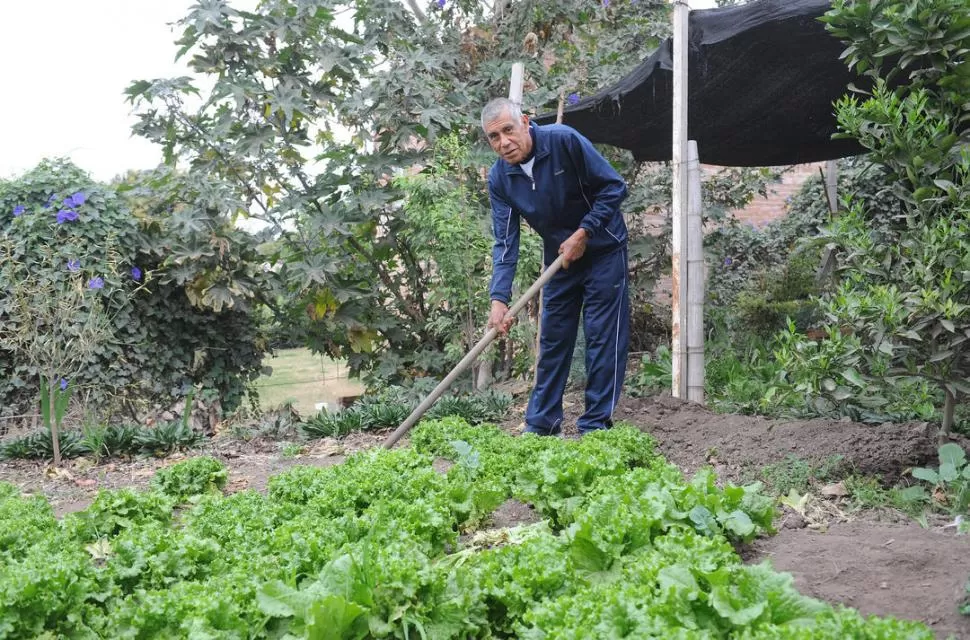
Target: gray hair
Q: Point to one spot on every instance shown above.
(498, 107)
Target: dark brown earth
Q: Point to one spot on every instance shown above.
(878, 562)
(513, 513)
(691, 436)
(883, 568)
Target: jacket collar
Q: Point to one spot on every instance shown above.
(540, 148)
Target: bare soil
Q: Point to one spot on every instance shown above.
(73, 486)
(877, 562)
(884, 568)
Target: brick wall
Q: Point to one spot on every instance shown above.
(759, 212)
(763, 210)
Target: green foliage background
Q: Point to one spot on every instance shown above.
(319, 109)
(170, 331)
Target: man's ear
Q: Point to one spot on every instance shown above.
(525, 120)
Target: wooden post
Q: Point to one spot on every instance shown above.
(515, 95)
(830, 177)
(832, 184)
(515, 86)
(695, 279)
(680, 202)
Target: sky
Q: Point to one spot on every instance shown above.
(66, 64)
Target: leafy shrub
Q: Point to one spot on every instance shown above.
(391, 406)
(951, 481)
(826, 374)
(120, 238)
(747, 379)
(777, 293)
(192, 477)
(167, 437)
(766, 269)
(40, 446)
(653, 374)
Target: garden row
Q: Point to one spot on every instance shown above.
(387, 545)
(383, 410)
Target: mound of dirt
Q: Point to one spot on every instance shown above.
(691, 436)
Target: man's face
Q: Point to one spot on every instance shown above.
(509, 137)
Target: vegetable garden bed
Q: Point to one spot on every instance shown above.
(385, 545)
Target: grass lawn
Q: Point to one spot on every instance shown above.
(306, 379)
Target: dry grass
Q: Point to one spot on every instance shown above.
(305, 379)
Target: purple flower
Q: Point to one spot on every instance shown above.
(606, 3)
(572, 98)
(19, 210)
(97, 282)
(73, 264)
(441, 4)
(63, 384)
(728, 261)
(50, 201)
(75, 200)
(136, 273)
(66, 215)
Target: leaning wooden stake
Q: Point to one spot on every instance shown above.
(470, 357)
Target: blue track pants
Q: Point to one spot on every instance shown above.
(597, 287)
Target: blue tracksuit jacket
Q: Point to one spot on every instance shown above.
(572, 187)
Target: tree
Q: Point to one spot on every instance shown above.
(133, 293)
(316, 107)
(905, 281)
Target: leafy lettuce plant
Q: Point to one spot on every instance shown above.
(193, 477)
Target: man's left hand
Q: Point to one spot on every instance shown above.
(573, 248)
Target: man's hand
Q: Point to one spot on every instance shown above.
(497, 317)
(573, 248)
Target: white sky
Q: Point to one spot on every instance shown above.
(65, 66)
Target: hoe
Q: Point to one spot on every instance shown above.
(469, 358)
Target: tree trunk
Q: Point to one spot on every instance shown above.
(417, 11)
(949, 404)
(484, 374)
(55, 437)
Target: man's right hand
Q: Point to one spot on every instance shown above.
(497, 317)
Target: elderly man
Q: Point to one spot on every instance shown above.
(553, 178)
